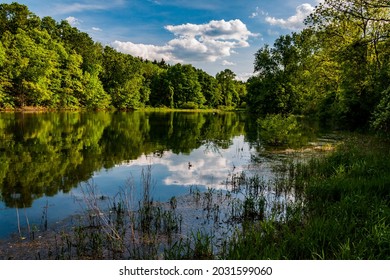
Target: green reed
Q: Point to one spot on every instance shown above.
(343, 213)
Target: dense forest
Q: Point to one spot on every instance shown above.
(336, 69)
(48, 64)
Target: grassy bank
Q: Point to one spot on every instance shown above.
(32, 109)
(344, 212)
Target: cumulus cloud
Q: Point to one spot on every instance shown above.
(150, 52)
(195, 42)
(216, 29)
(227, 63)
(294, 22)
(73, 21)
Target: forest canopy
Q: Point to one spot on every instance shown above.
(44, 63)
(337, 68)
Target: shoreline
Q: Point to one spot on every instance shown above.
(37, 109)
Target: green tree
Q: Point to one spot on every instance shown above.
(210, 89)
(162, 92)
(122, 78)
(241, 90)
(273, 90)
(93, 95)
(13, 17)
(81, 43)
(183, 80)
(226, 80)
(358, 32)
(71, 81)
(30, 65)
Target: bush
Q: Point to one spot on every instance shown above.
(189, 105)
(381, 120)
(277, 129)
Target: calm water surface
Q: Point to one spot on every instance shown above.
(47, 158)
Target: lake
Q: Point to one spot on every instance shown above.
(47, 158)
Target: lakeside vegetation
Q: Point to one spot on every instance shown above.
(343, 211)
(334, 206)
(337, 70)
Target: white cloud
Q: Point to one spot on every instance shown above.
(208, 168)
(257, 13)
(96, 29)
(227, 63)
(150, 52)
(244, 76)
(195, 42)
(294, 22)
(73, 21)
(273, 32)
(219, 30)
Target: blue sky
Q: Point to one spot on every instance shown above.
(210, 34)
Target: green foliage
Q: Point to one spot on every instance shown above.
(272, 91)
(54, 65)
(189, 105)
(229, 88)
(184, 85)
(381, 120)
(93, 95)
(345, 215)
(279, 130)
(210, 89)
(336, 68)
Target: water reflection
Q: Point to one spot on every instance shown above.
(203, 166)
(45, 157)
(42, 154)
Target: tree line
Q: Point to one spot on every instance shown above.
(337, 68)
(44, 63)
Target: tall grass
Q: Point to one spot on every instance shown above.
(344, 214)
(120, 228)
